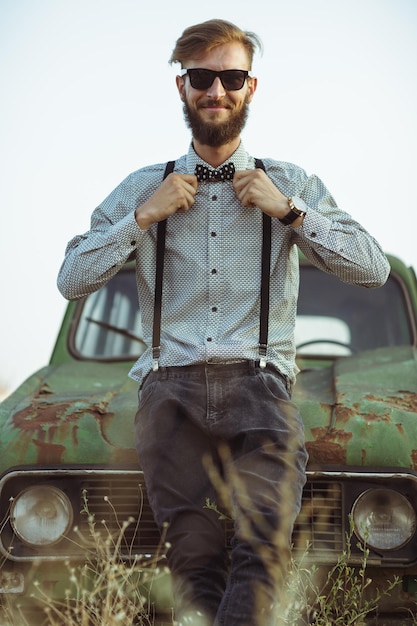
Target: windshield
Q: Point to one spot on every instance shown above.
(338, 319)
(333, 318)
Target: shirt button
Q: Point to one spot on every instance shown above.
(208, 338)
(214, 271)
(133, 243)
(214, 309)
(213, 233)
(313, 234)
(214, 197)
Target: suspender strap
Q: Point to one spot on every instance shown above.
(265, 279)
(159, 272)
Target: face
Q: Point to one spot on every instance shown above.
(214, 115)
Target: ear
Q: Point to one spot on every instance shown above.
(252, 85)
(180, 86)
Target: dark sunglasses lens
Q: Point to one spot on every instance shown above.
(232, 80)
(201, 79)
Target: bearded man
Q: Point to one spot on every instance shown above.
(215, 381)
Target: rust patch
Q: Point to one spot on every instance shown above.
(373, 417)
(46, 422)
(45, 389)
(39, 414)
(331, 434)
(405, 400)
(49, 453)
(344, 413)
(400, 429)
(328, 453)
(329, 446)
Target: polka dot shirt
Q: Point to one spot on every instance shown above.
(211, 288)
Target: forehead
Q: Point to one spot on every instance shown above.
(227, 56)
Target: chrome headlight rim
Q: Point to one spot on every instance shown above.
(367, 502)
(19, 508)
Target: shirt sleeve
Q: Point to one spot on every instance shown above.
(96, 256)
(336, 243)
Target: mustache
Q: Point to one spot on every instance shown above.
(224, 102)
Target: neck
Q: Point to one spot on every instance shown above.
(216, 156)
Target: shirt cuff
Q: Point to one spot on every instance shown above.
(127, 233)
(315, 226)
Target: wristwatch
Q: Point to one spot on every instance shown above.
(294, 211)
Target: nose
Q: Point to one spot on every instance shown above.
(216, 90)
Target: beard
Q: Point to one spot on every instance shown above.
(215, 134)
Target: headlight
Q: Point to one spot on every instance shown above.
(41, 515)
(383, 519)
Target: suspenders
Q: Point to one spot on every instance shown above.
(265, 269)
(160, 247)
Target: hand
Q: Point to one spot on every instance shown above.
(255, 188)
(176, 194)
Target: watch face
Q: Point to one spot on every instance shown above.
(299, 205)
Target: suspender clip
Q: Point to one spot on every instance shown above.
(262, 355)
(156, 352)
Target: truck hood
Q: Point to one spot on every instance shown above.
(361, 410)
(78, 413)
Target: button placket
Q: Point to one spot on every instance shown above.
(214, 271)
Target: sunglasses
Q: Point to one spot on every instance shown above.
(232, 80)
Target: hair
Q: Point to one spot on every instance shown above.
(198, 39)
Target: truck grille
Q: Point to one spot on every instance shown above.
(113, 502)
(319, 525)
(104, 501)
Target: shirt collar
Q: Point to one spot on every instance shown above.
(240, 158)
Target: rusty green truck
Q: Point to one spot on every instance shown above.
(68, 430)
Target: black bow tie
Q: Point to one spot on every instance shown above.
(204, 173)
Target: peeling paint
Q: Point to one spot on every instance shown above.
(40, 414)
(329, 453)
(405, 400)
(329, 446)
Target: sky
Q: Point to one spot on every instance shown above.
(88, 96)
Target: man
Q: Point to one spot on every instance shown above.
(215, 406)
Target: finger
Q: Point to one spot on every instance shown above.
(241, 178)
(186, 201)
(244, 193)
(191, 179)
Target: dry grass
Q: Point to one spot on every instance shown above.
(104, 590)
